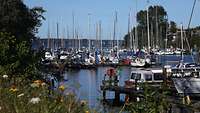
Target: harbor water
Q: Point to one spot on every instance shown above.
(85, 83)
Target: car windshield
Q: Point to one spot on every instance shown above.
(136, 76)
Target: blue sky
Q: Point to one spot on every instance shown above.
(103, 10)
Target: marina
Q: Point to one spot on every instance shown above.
(99, 56)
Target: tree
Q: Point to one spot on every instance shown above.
(157, 26)
(152, 100)
(18, 25)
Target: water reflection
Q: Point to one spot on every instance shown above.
(86, 83)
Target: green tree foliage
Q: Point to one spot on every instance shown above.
(18, 25)
(17, 19)
(157, 24)
(193, 35)
(171, 35)
(16, 58)
(152, 100)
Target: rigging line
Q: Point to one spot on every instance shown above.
(192, 13)
(189, 27)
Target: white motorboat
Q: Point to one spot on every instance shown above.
(49, 56)
(153, 76)
(138, 62)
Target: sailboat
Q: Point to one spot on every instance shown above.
(143, 60)
(186, 76)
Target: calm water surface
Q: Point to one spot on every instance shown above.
(86, 83)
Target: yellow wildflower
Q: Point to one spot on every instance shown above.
(13, 88)
(62, 87)
(38, 82)
(86, 111)
(83, 102)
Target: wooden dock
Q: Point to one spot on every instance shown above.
(120, 89)
(130, 92)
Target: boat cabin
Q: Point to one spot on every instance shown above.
(151, 76)
(147, 76)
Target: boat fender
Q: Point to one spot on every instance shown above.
(137, 60)
(111, 72)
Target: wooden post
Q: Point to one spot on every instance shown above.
(117, 98)
(104, 95)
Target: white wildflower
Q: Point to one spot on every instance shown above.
(33, 85)
(20, 95)
(5, 76)
(35, 100)
(0, 108)
(43, 84)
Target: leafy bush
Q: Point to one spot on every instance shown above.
(36, 97)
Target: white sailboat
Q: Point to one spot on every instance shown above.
(186, 76)
(144, 61)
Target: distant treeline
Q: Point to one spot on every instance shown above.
(162, 32)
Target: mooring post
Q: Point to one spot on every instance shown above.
(117, 97)
(104, 95)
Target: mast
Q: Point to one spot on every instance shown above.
(77, 40)
(100, 43)
(48, 35)
(148, 34)
(182, 57)
(114, 29)
(89, 24)
(156, 26)
(53, 39)
(57, 32)
(63, 39)
(152, 36)
(129, 31)
(136, 34)
(97, 32)
(73, 30)
(68, 37)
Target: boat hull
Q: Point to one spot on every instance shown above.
(187, 85)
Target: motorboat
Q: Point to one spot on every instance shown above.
(154, 77)
(49, 56)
